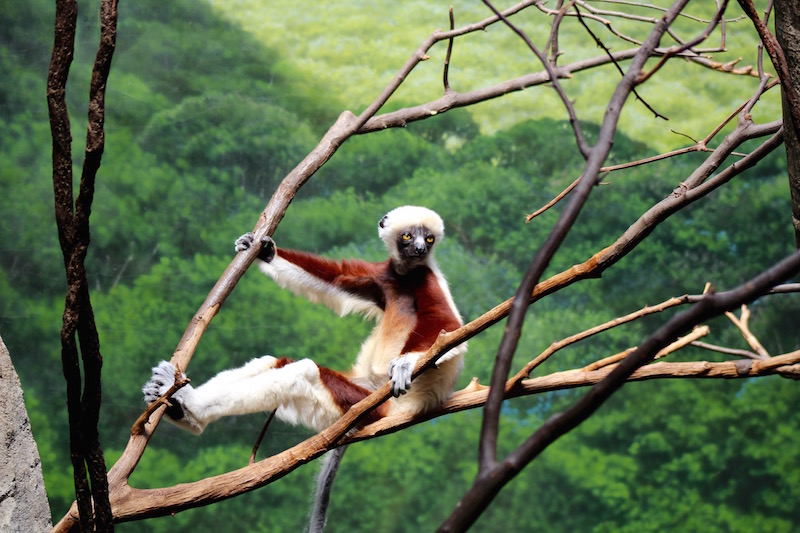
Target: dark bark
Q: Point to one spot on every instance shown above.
(787, 30)
(73, 230)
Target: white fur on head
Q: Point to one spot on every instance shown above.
(409, 216)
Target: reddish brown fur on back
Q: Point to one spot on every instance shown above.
(346, 393)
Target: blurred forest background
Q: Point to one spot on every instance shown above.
(210, 104)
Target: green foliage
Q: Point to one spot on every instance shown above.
(232, 138)
(318, 224)
(376, 162)
(450, 130)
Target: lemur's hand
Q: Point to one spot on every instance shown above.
(267, 252)
(400, 370)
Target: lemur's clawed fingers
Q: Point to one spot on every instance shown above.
(162, 379)
(400, 371)
(245, 242)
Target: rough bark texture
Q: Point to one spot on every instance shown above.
(23, 500)
(787, 29)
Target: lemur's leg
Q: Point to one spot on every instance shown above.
(163, 377)
(299, 393)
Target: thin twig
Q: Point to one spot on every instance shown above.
(179, 381)
(699, 146)
(778, 58)
(583, 146)
(725, 350)
(742, 324)
(552, 41)
(608, 52)
(525, 372)
(672, 52)
(447, 56)
(260, 438)
(698, 332)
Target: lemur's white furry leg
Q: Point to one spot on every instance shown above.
(294, 390)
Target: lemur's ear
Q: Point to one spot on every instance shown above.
(382, 223)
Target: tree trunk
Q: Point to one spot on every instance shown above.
(787, 29)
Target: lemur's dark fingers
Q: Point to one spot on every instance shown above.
(244, 242)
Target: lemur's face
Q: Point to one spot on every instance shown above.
(410, 233)
(414, 243)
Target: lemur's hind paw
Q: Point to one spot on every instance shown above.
(246, 241)
(163, 378)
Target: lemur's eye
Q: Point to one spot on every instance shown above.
(406, 237)
(429, 239)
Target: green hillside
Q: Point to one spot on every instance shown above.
(355, 48)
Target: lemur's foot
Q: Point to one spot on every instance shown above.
(162, 380)
(246, 241)
(400, 370)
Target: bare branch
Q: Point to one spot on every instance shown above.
(778, 60)
(583, 146)
(742, 323)
(487, 453)
(261, 437)
(447, 57)
(489, 481)
(687, 45)
(697, 333)
(699, 146)
(552, 41)
(608, 52)
(473, 396)
(73, 231)
(525, 372)
(725, 350)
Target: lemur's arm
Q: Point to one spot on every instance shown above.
(344, 286)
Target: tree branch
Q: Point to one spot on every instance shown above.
(580, 140)
(474, 396)
(489, 430)
(489, 481)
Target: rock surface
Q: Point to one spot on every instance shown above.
(23, 500)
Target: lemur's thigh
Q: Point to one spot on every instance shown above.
(251, 368)
(300, 393)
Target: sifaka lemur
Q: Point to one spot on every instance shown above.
(408, 297)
